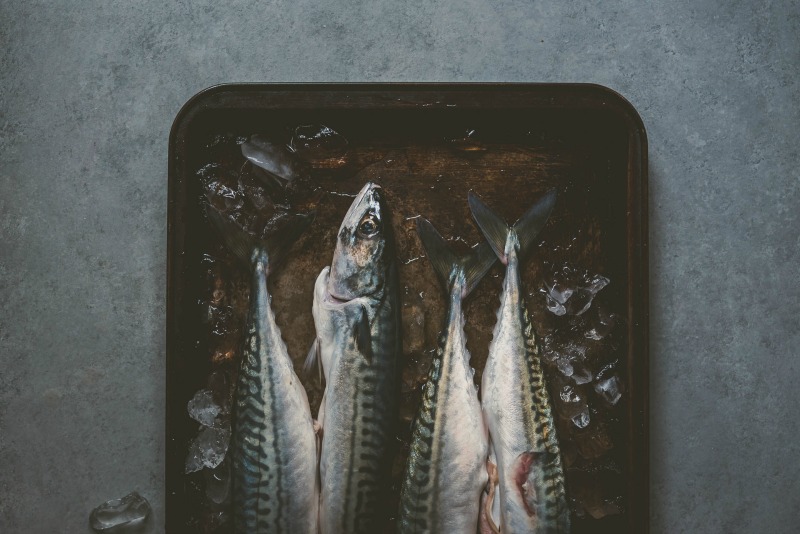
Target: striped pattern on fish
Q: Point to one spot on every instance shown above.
(357, 418)
(531, 495)
(274, 448)
(446, 469)
(357, 322)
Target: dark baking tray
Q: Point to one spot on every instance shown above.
(584, 139)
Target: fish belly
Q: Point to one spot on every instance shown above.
(274, 451)
(447, 467)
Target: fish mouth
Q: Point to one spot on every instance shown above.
(328, 298)
(333, 299)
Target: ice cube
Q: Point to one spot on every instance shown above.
(582, 297)
(568, 394)
(551, 347)
(581, 374)
(221, 187)
(202, 407)
(582, 419)
(128, 514)
(609, 390)
(208, 449)
(571, 291)
(602, 324)
(277, 160)
(565, 366)
(554, 306)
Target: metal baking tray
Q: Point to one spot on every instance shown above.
(428, 145)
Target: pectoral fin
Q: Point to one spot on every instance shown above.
(363, 336)
(313, 359)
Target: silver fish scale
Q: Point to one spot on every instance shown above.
(446, 470)
(526, 425)
(541, 432)
(419, 499)
(274, 449)
(360, 401)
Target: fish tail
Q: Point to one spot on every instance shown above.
(526, 228)
(474, 265)
(243, 244)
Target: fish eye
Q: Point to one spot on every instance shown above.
(368, 226)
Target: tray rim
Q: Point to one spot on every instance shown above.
(565, 96)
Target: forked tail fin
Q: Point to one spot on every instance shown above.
(526, 228)
(280, 239)
(474, 264)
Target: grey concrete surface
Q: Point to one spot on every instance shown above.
(89, 90)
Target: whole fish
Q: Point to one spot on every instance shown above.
(530, 494)
(357, 321)
(274, 445)
(446, 469)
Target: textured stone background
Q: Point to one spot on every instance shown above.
(89, 90)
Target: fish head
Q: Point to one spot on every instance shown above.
(362, 256)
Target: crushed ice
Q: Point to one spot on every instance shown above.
(127, 514)
(568, 394)
(581, 374)
(202, 407)
(570, 291)
(208, 449)
(609, 389)
(582, 419)
(601, 325)
(565, 366)
(277, 160)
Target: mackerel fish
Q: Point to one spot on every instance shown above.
(446, 469)
(530, 495)
(274, 445)
(357, 322)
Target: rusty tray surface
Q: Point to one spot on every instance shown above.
(428, 145)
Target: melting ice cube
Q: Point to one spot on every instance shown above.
(581, 374)
(128, 513)
(609, 389)
(568, 394)
(208, 449)
(557, 296)
(221, 187)
(202, 407)
(277, 160)
(582, 419)
(565, 366)
(602, 325)
(571, 291)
